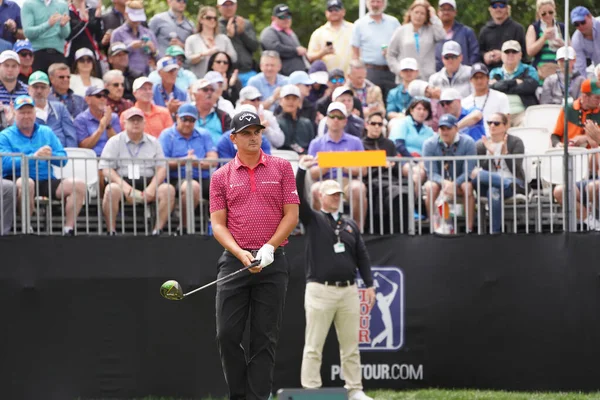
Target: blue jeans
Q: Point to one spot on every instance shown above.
(245, 76)
(491, 185)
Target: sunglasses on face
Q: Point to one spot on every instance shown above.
(25, 54)
(182, 1)
(210, 17)
(376, 123)
(333, 9)
(225, 62)
(85, 60)
(495, 123)
(338, 117)
(189, 120)
(100, 96)
(207, 90)
(450, 57)
(498, 5)
(547, 13)
(337, 80)
(445, 103)
(285, 17)
(63, 77)
(578, 24)
(510, 52)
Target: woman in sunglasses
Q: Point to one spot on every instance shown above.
(208, 41)
(221, 62)
(544, 37)
(499, 178)
(84, 72)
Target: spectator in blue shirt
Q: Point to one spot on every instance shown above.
(166, 93)
(470, 122)
(34, 140)
(462, 34)
(11, 28)
(60, 78)
(188, 144)
(398, 99)
(450, 177)
(185, 77)
(209, 116)
(51, 113)
(98, 123)
(269, 81)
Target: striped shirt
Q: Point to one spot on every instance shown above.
(7, 97)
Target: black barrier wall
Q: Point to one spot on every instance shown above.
(82, 317)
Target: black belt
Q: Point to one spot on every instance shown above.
(278, 251)
(378, 67)
(347, 283)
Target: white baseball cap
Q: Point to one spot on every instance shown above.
(451, 2)
(449, 94)
(336, 105)
(340, 91)
(451, 47)
(562, 52)
(136, 14)
(9, 55)
(84, 51)
(139, 82)
(289, 90)
(417, 88)
(320, 77)
(409, 63)
(221, 2)
(250, 93)
(167, 64)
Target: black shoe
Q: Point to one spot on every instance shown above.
(113, 233)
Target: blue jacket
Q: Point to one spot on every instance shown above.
(436, 171)
(61, 123)
(465, 36)
(227, 149)
(13, 141)
(159, 95)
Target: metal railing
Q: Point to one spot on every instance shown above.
(396, 199)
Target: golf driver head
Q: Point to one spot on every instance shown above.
(171, 290)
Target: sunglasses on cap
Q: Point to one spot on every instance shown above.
(445, 103)
(498, 5)
(450, 57)
(376, 123)
(337, 80)
(511, 51)
(578, 24)
(495, 123)
(288, 16)
(338, 117)
(547, 13)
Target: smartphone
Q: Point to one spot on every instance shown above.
(329, 44)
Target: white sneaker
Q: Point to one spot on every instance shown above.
(359, 395)
(592, 223)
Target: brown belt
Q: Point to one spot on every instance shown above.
(379, 67)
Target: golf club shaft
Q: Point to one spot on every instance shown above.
(254, 264)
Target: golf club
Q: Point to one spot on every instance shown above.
(171, 290)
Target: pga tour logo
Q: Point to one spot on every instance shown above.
(382, 327)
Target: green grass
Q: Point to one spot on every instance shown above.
(441, 394)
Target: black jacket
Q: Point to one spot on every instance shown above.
(298, 132)
(492, 36)
(381, 143)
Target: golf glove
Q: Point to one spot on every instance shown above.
(265, 255)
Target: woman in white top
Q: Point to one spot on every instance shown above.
(422, 29)
(200, 46)
(84, 72)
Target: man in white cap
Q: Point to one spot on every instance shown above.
(398, 99)
(336, 139)
(304, 83)
(469, 122)
(251, 96)
(171, 27)
(210, 117)
(462, 34)
(218, 82)
(10, 87)
(454, 74)
(139, 182)
(140, 41)
(355, 125)
(553, 91)
(166, 93)
(156, 118)
(298, 130)
(96, 125)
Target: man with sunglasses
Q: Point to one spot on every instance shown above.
(60, 78)
(336, 80)
(253, 210)
(461, 34)
(171, 28)
(156, 118)
(98, 123)
(51, 113)
(118, 58)
(500, 29)
(185, 77)
(114, 82)
(166, 93)
(468, 121)
(517, 80)
(454, 74)
(210, 117)
(586, 39)
(25, 51)
(280, 37)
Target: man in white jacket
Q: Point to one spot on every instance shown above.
(454, 74)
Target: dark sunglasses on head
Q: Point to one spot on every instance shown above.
(450, 57)
(498, 5)
(578, 24)
(510, 51)
(188, 119)
(26, 54)
(117, 84)
(495, 123)
(337, 80)
(284, 16)
(222, 62)
(210, 17)
(338, 117)
(376, 123)
(547, 12)
(445, 103)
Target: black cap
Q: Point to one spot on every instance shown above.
(281, 10)
(243, 120)
(335, 4)
(479, 68)
(335, 72)
(498, 1)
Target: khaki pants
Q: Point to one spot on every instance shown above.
(323, 305)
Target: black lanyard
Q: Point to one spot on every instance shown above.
(446, 152)
(484, 101)
(337, 225)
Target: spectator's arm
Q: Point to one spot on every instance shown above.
(306, 212)
(401, 148)
(57, 150)
(469, 165)
(438, 29)
(65, 30)
(518, 149)
(270, 41)
(471, 119)
(433, 168)
(355, 53)
(248, 37)
(68, 128)
(273, 132)
(31, 31)
(580, 59)
(393, 55)
(362, 255)
(8, 162)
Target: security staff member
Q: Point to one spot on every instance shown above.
(253, 209)
(335, 250)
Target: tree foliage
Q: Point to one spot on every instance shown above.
(310, 14)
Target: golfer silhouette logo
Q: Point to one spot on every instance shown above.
(382, 328)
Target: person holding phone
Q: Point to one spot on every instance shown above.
(331, 42)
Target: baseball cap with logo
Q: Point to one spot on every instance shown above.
(133, 112)
(579, 13)
(9, 55)
(289, 90)
(21, 45)
(187, 110)
(449, 2)
(334, 4)
(448, 120)
(22, 101)
(174, 51)
(562, 53)
(250, 93)
(340, 91)
(135, 11)
(38, 77)
(451, 47)
(590, 86)
(116, 48)
(330, 187)
(139, 82)
(511, 45)
(244, 119)
(449, 94)
(337, 106)
(281, 10)
(409, 63)
(167, 64)
(479, 68)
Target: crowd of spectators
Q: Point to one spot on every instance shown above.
(72, 75)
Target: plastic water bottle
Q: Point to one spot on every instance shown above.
(442, 218)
